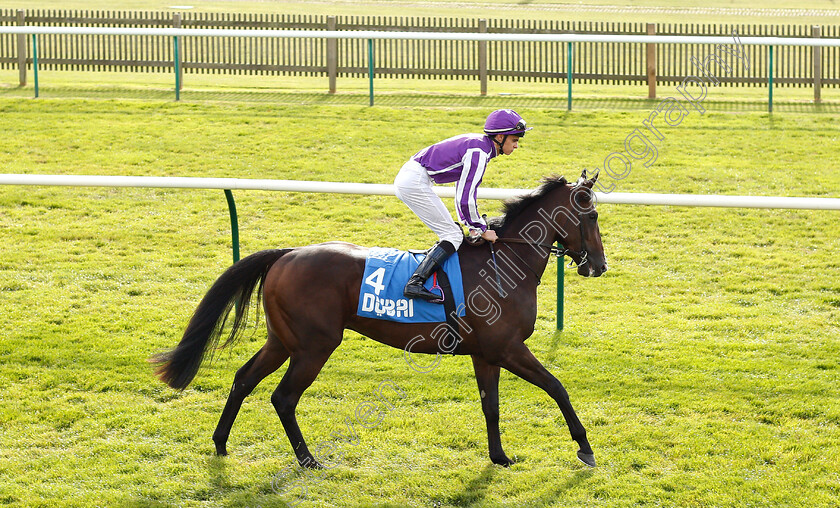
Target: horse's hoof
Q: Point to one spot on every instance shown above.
(310, 464)
(503, 461)
(586, 458)
(221, 451)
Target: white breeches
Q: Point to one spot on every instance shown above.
(414, 188)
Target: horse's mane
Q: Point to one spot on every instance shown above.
(512, 208)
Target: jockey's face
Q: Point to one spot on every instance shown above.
(511, 143)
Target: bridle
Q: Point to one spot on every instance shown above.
(558, 252)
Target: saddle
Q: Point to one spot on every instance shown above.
(386, 273)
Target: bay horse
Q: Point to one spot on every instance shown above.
(310, 296)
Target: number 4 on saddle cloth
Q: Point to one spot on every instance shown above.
(386, 273)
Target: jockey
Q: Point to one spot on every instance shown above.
(461, 159)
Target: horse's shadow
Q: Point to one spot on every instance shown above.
(476, 490)
(474, 493)
(571, 482)
(217, 472)
(558, 339)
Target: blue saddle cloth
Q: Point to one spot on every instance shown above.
(386, 273)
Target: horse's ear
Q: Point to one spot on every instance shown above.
(582, 178)
(595, 176)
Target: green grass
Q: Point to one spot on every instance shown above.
(704, 364)
(312, 91)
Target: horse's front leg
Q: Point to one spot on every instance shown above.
(519, 360)
(487, 377)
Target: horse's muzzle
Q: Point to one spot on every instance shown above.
(591, 269)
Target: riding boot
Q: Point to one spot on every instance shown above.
(433, 260)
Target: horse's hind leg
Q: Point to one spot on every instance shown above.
(303, 369)
(487, 377)
(268, 359)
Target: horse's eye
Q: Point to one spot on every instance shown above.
(593, 215)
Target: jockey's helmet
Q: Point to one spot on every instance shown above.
(505, 121)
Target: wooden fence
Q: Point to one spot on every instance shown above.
(597, 62)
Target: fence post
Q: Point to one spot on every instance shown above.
(651, 62)
(332, 54)
(21, 47)
(482, 57)
(179, 73)
(817, 56)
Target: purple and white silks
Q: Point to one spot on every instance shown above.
(461, 159)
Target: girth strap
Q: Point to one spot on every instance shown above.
(454, 330)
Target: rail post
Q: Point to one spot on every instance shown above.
(234, 225)
(177, 69)
(370, 68)
(770, 80)
(569, 75)
(35, 62)
(179, 77)
(561, 288)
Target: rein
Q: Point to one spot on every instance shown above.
(552, 249)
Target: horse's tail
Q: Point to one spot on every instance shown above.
(234, 288)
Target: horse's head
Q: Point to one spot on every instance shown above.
(582, 236)
(562, 212)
